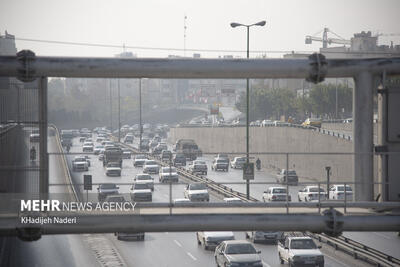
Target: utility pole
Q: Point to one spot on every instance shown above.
(119, 114)
(140, 115)
(111, 124)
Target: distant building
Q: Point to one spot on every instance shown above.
(7, 45)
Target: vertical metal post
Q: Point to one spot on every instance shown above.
(119, 114)
(319, 197)
(247, 120)
(43, 155)
(328, 173)
(363, 142)
(140, 115)
(336, 102)
(382, 139)
(287, 182)
(111, 124)
(345, 198)
(170, 184)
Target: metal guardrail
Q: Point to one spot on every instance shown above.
(358, 250)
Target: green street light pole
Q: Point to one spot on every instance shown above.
(233, 25)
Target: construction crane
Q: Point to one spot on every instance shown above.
(325, 40)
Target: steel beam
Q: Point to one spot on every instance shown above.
(363, 142)
(43, 155)
(194, 68)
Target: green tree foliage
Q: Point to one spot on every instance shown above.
(274, 103)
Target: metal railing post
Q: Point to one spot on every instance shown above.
(345, 198)
(287, 182)
(319, 197)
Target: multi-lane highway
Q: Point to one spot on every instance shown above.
(180, 249)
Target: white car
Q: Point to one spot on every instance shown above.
(336, 192)
(232, 200)
(310, 193)
(145, 178)
(139, 160)
(238, 162)
(87, 147)
(80, 164)
(97, 149)
(276, 194)
(140, 191)
(265, 123)
(210, 240)
(197, 192)
(237, 253)
(168, 174)
(151, 166)
(181, 200)
(113, 169)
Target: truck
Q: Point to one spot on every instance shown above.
(112, 154)
(66, 137)
(299, 251)
(189, 148)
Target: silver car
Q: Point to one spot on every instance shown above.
(237, 253)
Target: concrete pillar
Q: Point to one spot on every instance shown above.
(43, 155)
(363, 137)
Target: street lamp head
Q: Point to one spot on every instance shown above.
(261, 23)
(234, 24)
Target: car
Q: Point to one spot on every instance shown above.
(140, 191)
(312, 122)
(299, 251)
(210, 240)
(97, 149)
(181, 200)
(145, 144)
(34, 137)
(117, 198)
(220, 164)
(291, 175)
(126, 153)
(232, 200)
(100, 139)
(197, 192)
(82, 139)
(336, 192)
(266, 123)
(310, 193)
(179, 160)
(113, 169)
(106, 189)
(276, 194)
(237, 253)
(80, 163)
(166, 155)
(198, 166)
(144, 177)
(130, 236)
(151, 166)
(168, 174)
(139, 160)
(87, 147)
(238, 162)
(264, 236)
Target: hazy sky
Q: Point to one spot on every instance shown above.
(159, 23)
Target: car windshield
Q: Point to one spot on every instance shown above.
(180, 156)
(198, 187)
(167, 169)
(240, 159)
(279, 190)
(240, 249)
(113, 165)
(143, 177)
(151, 162)
(199, 162)
(140, 157)
(315, 189)
(108, 186)
(341, 188)
(140, 186)
(302, 244)
(222, 160)
(99, 147)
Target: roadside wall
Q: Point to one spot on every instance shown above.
(278, 139)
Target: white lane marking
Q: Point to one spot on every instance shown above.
(382, 235)
(190, 255)
(177, 243)
(265, 264)
(340, 262)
